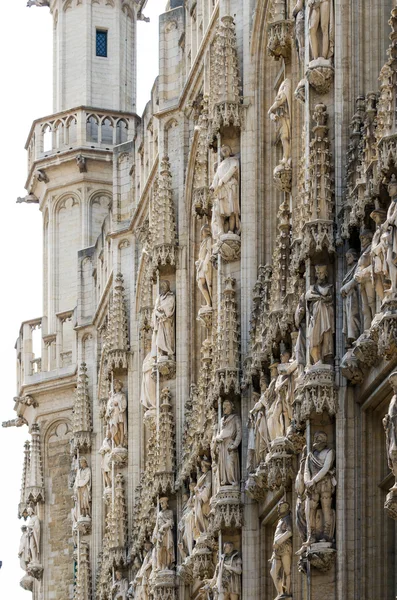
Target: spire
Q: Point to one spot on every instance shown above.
(163, 226)
(164, 478)
(82, 589)
(82, 413)
(228, 359)
(22, 508)
(35, 487)
(117, 523)
(117, 331)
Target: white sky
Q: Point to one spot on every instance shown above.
(26, 76)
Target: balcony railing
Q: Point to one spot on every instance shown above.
(78, 128)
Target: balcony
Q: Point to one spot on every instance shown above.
(42, 355)
(79, 128)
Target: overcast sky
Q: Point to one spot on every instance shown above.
(26, 76)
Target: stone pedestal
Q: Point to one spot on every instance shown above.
(226, 508)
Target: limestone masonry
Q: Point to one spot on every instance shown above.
(213, 415)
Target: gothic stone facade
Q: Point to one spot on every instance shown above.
(214, 410)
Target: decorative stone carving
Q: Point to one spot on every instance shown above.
(202, 496)
(117, 524)
(228, 441)
(116, 415)
(34, 568)
(119, 587)
(316, 393)
(164, 474)
(390, 425)
(163, 324)
(35, 484)
(280, 112)
(186, 526)
(142, 578)
(23, 506)
(82, 589)
(280, 39)
(148, 387)
(204, 266)
(225, 224)
(225, 102)
(105, 452)
(200, 180)
(18, 422)
(117, 330)
(163, 538)
(321, 326)
(226, 582)
(320, 483)
(82, 424)
(82, 496)
(389, 239)
(351, 305)
(38, 3)
(162, 220)
(227, 346)
(81, 163)
(282, 552)
(321, 28)
(364, 279)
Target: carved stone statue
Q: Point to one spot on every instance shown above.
(225, 187)
(120, 587)
(390, 425)
(105, 451)
(280, 112)
(320, 483)
(228, 441)
(279, 414)
(319, 302)
(202, 496)
(299, 15)
(163, 538)
(82, 489)
(34, 531)
(23, 552)
(351, 302)
(282, 552)
(144, 572)
(227, 577)
(148, 388)
(163, 319)
(262, 437)
(116, 415)
(186, 526)
(300, 324)
(378, 253)
(204, 265)
(390, 238)
(363, 277)
(321, 25)
(300, 510)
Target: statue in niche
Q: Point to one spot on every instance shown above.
(204, 265)
(262, 438)
(378, 253)
(300, 510)
(319, 302)
(363, 277)
(351, 301)
(226, 581)
(390, 237)
(300, 324)
(148, 388)
(82, 490)
(320, 483)
(228, 441)
(119, 587)
(321, 23)
(280, 413)
(116, 415)
(282, 552)
(23, 552)
(105, 451)
(163, 538)
(299, 15)
(202, 496)
(163, 319)
(186, 526)
(225, 188)
(143, 575)
(34, 532)
(280, 112)
(390, 425)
